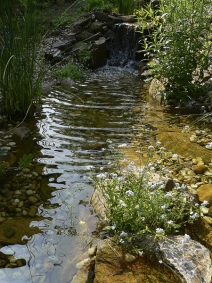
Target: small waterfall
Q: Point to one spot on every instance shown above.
(124, 45)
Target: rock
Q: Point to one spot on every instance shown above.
(111, 267)
(129, 258)
(67, 83)
(96, 27)
(205, 193)
(98, 202)
(33, 199)
(82, 275)
(46, 88)
(2, 219)
(54, 56)
(99, 56)
(9, 232)
(32, 211)
(92, 251)
(64, 46)
(199, 168)
(155, 89)
(192, 260)
(22, 132)
(21, 262)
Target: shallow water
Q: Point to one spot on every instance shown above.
(72, 130)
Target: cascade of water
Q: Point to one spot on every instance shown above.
(124, 45)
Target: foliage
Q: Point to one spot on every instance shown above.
(71, 70)
(126, 6)
(25, 161)
(138, 207)
(179, 44)
(20, 75)
(98, 5)
(3, 168)
(84, 56)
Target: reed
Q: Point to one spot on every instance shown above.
(20, 73)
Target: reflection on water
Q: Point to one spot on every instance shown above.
(74, 128)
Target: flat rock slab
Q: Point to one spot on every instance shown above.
(191, 260)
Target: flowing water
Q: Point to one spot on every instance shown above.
(72, 130)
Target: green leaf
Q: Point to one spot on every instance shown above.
(25, 160)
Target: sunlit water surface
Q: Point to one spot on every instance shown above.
(75, 126)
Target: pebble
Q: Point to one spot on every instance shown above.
(9, 232)
(29, 192)
(129, 258)
(199, 168)
(33, 199)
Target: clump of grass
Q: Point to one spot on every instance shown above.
(20, 75)
(71, 70)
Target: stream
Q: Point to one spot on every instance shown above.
(73, 129)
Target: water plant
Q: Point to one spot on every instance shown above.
(25, 161)
(20, 67)
(179, 45)
(140, 206)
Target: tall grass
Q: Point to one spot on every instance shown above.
(20, 82)
(126, 6)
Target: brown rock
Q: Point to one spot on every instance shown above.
(199, 168)
(205, 193)
(9, 232)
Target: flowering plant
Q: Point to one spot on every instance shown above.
(138, 208)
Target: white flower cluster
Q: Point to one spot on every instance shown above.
(159, 231)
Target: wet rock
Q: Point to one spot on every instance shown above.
(9, 232)
(21, 262)
(46, 87)
(98, 202)
(96, 27)
(22, 132)
(191, 260)
(83, 271)
(2, 219)
(3, 262)
(99, 56)
(129, 258)
(32, 211)
(205, 193)
(67, 83)
(155, 89)
(199, 168)
(33, 199)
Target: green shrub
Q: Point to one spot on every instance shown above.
(180, 46)
(71, 70)
(139, 207)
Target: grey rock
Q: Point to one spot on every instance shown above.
(22, 132)
(191, 260)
